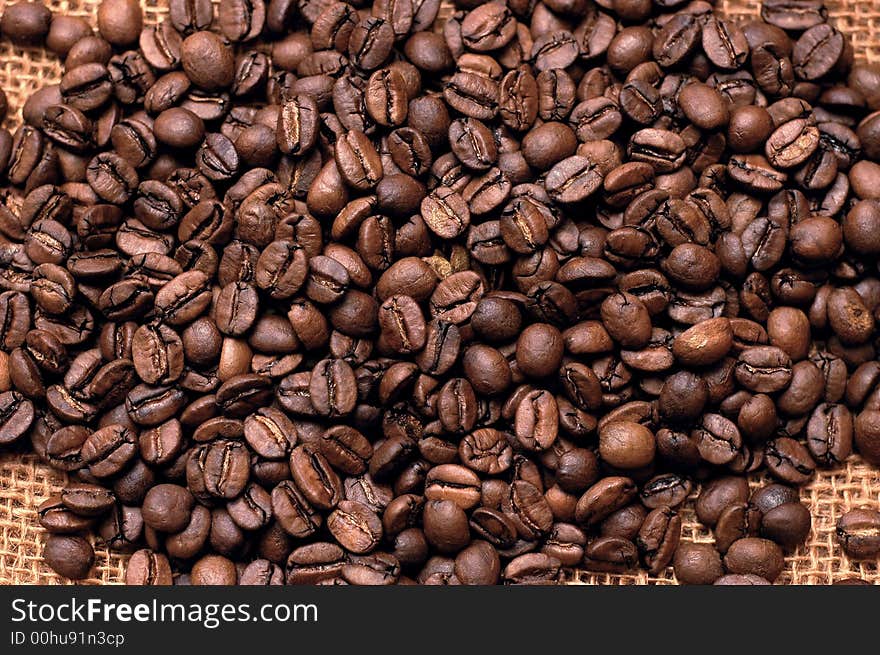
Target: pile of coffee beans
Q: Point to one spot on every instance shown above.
(306, 291)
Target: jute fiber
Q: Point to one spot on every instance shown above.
(25, 482)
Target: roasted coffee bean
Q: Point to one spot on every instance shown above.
(486, 450)
(358, 161)
(626, 445)
(818, 51)
(370, 43)
(162, 444)
(848, 316)
(297, 128)
(658, 538)
(764, 369)
(446, 526)
(252, 510)
(207, 60)
(68, 127)
(86, 87)
(756, 556)
(670, 489)
(793, 15)
(69, 555)
(455, 483)
(736, 521)
(789, 461)
(624, 523)
(315, 478)
(697, 564)
(376, 569)
(603, 498)
(57, 518)
(610, 554)
(787, 524)
(445, 212)
(314, 563)
(830, 434)
(532, 568)
(456, 370)
(189, 16)
(346, 449)
(573, 179)
(148, 568)
(792, 143)
(355, 527)
(214, 570)
(718, 439)
(87, 500)
(157, 354)
(858, 532)
(108, 450)
(167, 507)
(724, 44)
(112, 178)
(219, 469)
(293, 511)
(773, 495)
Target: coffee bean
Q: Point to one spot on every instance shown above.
(627, 320)
(355, 527)
(784, 14)
(573, 179)
(610, 554)
(445, 212)
(755, 556)
(446, 526)
(148, 568)
(214, 570)
(668, 489)
(157, 354)
(787, 524)
(532, 568)
(376, 569)
(788, 460)
(473, 332)
(705, 343)
(718, 439)
(207, 60)
(87, 500)
(69, 555)
(818, 51)
(604, 497)
(658, 538)
(162, 444)
(16, 416)
(313, 563)
(68, 127)
(293, 511)
(314, 477)
(792, 143)
(218, 469)
(112, 178)
(764, 369)
(858, 531)
(56, 518)
(108, 450)
(626, 445)
(188, 17)
(697, 563)
(167, 508)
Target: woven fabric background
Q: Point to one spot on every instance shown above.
(25, 482)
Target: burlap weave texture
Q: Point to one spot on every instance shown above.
(24, 482)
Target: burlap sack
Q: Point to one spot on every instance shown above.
(24, 482)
